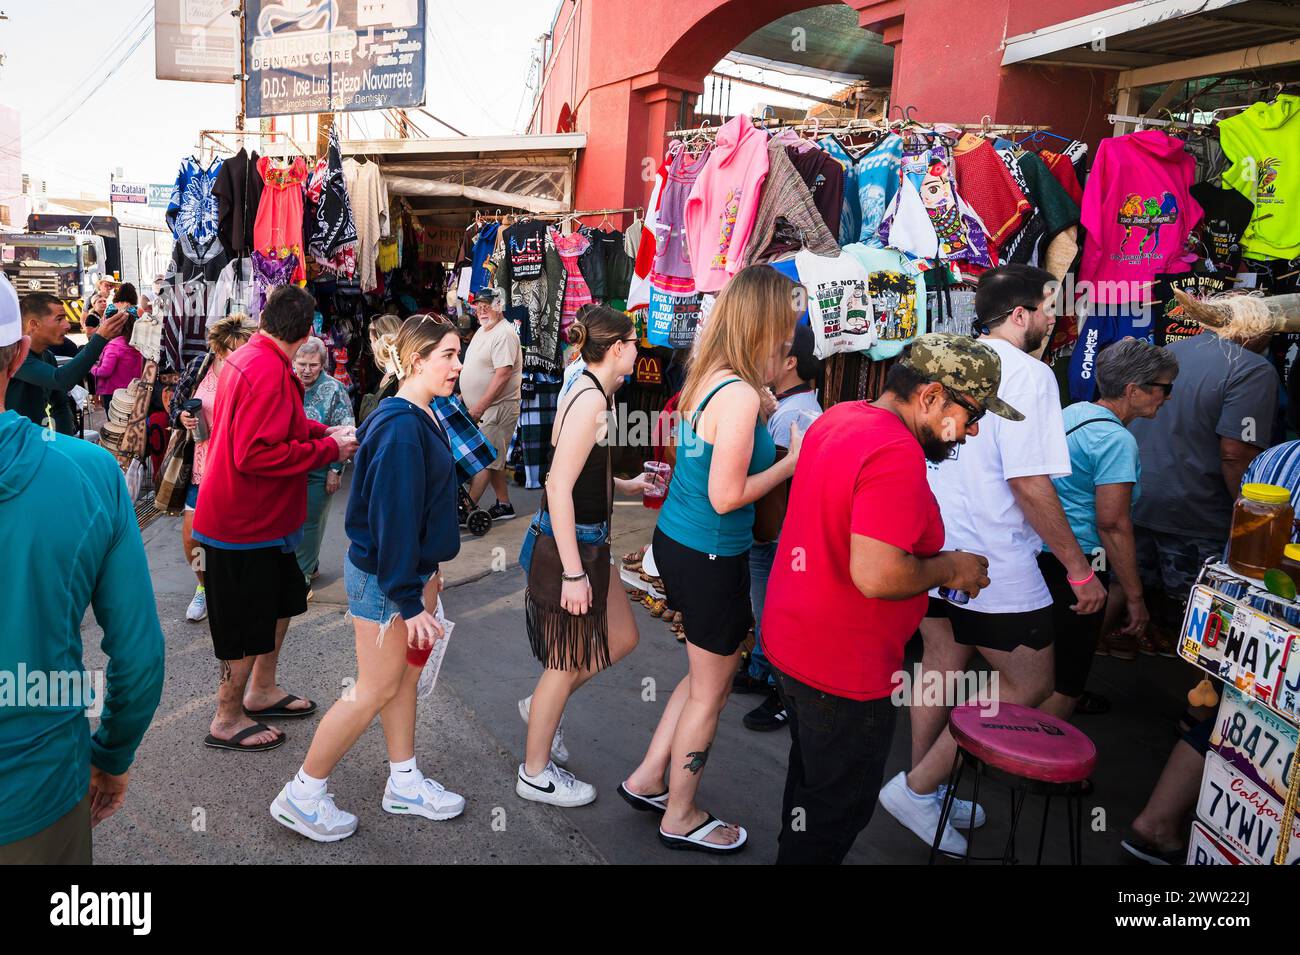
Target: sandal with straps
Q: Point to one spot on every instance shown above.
(695, 839)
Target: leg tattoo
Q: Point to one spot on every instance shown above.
(698, 760)
(225, 671)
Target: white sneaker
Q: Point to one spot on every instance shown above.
(959, 814)
(429, 799)
(559, 752)
(556, 786)
(198, 608)
(317, 819)
(920, 814)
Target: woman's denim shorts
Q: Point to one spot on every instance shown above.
(541, 524)
(365, 600)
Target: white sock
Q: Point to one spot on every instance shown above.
(405, 775)
(303, 786)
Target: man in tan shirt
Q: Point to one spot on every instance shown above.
(490, 383)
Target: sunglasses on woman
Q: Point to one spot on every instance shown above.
(1166, 386)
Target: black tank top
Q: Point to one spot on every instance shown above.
(591, 491)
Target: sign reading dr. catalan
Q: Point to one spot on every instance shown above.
(318, 56)
(129, 192)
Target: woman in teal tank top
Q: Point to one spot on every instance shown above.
(726, 460)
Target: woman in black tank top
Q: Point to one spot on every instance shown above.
(594, 630)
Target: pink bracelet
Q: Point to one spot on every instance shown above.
(1080, 583)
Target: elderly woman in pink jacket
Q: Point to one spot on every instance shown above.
(119, 363)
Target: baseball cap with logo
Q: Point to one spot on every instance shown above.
(11, 322)
(963, 365)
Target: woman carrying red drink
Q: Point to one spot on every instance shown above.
(402, 523)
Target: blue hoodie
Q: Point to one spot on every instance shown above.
(71, 541)
(402, 518)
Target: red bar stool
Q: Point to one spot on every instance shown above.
(1026, 750)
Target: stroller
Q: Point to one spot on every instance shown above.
(473, 454)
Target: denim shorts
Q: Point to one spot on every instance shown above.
(365, 600)
(541, 524)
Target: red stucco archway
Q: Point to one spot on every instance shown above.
(626, 65)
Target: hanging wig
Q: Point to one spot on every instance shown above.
(1240, 316)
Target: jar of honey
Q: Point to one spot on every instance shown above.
(1261, 528)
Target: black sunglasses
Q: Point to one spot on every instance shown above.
(973, 412)
(1166, 386)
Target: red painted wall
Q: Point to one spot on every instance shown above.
(625, 65)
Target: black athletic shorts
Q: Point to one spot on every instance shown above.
(711, 591)
(996, 631)
(248, 591)
(1075, 634)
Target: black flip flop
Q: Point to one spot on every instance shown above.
(644, 803)
(278, 711)
(1092, 704)
(1152, 855)
(234, 742)
(694, 840)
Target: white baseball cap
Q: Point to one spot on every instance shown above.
(11, 322)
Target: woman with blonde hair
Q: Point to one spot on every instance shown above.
(401, 522)
(199, 381)
(726, 460)
(577, 626)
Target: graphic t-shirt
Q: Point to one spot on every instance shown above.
(839, 303)
(1102, 451)
(1263, 143)
(1227, 214)
(860, 472)
(979, 511)
(672, 320)
(1170, 324)
(526, 246)
(897, 290)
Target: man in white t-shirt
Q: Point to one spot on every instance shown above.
(490, 383)
(997, 498)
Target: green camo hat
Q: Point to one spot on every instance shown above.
(964, 365)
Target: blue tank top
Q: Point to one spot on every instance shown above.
(688, 516)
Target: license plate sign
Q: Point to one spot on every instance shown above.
(1258, 743)
(1204, 849)
(1241, 813)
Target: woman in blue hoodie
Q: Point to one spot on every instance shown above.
(402, 523)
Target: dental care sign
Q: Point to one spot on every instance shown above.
(320, 56)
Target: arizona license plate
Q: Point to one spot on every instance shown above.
(1257, 742)
(1243, 647)
(1242, 813)
(1204, 849)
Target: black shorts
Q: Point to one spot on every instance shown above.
(711, 591)
(995, 631)
(248, 591)
(1075, 634)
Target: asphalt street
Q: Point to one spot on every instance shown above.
(191, 804)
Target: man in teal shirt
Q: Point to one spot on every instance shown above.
(39, 389)
(57, 779)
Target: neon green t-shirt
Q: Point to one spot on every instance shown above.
(1263, 143)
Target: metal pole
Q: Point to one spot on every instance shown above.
(243, 73)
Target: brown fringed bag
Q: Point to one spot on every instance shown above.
(561, 640)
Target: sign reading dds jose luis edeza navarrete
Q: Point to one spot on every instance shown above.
(319, 56)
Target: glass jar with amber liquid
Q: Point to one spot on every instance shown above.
(1261, 528)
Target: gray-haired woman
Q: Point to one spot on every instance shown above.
(325, 400)
(1134, 379)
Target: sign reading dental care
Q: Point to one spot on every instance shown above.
(320, 56)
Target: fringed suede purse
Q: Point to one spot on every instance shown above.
(561, 640)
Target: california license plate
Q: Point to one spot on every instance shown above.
(1258, 743)
(1204, 849)
(1242, 813)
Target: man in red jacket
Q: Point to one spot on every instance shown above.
(251, 508)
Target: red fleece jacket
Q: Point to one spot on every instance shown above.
(261, 447)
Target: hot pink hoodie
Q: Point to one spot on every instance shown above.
(1138, 213)
(720, 209)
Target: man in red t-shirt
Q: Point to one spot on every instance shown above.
(859, 550)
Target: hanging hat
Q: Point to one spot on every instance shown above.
(11, 319)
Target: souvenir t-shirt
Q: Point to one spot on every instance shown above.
(839, 305)
(897, 290)
(670, 315)
(1263, 143)
(980, 513)
(860, 471)
(1227, 214)
(526, 246)
(1102, 451)
(1222, 391)
(1169, 322)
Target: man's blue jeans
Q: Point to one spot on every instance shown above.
(761, 557)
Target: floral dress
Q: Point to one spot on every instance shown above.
(277, 233)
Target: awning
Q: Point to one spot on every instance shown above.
(444, 179)
(1153, 32)
(836, 47)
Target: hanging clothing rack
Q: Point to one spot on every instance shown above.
(211, 136)
(862, 126)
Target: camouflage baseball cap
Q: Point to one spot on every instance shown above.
(964, 365)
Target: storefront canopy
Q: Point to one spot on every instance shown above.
(1151, 33)
(447, 178)
(834, 47)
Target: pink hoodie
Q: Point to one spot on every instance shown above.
(720, 209)
(1138, 213)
